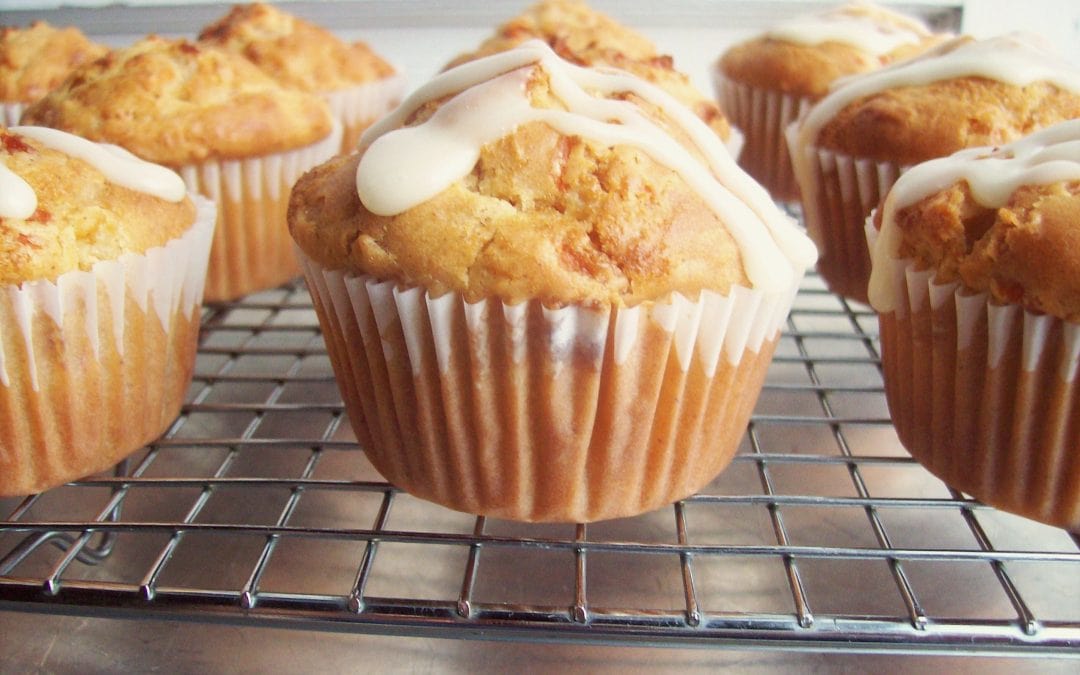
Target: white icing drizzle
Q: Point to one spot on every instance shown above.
(993, 174)
(17, 198)
(403, 166)
(1013, 58)
(875, 33)
(118, 165)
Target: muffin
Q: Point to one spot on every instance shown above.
(765, 83)
(359, 86)
(976, 280)
(102, 263)
(231, 132)
(548, 292)
(850, 146)
(37, 58)
(586, 37)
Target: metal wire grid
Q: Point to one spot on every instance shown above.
(255, 507)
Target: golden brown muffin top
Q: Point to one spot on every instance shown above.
(296, 53)
(174, 102)
(1026, 252)
(542, 214)
(964, 93)
(1005, 221)
(81, 217)
(586, 37)
(35, 59)
(807, 67)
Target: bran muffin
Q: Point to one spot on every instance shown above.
(548, 292)
(976, 279)
(581, 35)
(766, 82)
(102, 263)
(231, 132)
(358, 85)
(851, 145)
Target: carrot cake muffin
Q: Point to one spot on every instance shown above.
(232, 132)
(586, 37)
(851, 145)
(359, 85)
(548, 291)
(37, 58)
(976, 279)
(766, 82)
(102, 263)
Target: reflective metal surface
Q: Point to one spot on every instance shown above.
(258, 508)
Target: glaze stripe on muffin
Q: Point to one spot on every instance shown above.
(992, 176)
(117, 165)
(1015, 59)
(852, 25)
(446, 147)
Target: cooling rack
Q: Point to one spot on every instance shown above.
(257, 507)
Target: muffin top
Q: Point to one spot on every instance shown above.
(806, 54)
(586, 37)
(35, 59)
(296, 53)
(962, 93)
(67, 203)
(173, 102)
(522, 176)
(1002, 220)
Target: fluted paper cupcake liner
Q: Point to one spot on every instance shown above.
(358, 107)
(763, 116)
(530, 413)
(252, 249)
(986, 396)
(97, 363)
(12, 113)
(838, 194)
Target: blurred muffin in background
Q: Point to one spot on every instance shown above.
(765, 83)
(35, 59)
(231, 131)
(586, 37)
(851, 145)
(359, 85)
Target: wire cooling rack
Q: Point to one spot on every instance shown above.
(257, 507)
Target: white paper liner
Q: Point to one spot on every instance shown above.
(357, 107)
(252, 249)
(12, 113)
(471, 405)
(169, 277)
(986, 396)
(96, 364)
(763, 115)
(838, 193)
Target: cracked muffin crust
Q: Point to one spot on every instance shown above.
(540, 215)
(806, 55)
(65, 234)
(35, 59)
(586, 37)
(174, 102)
(296, 53)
